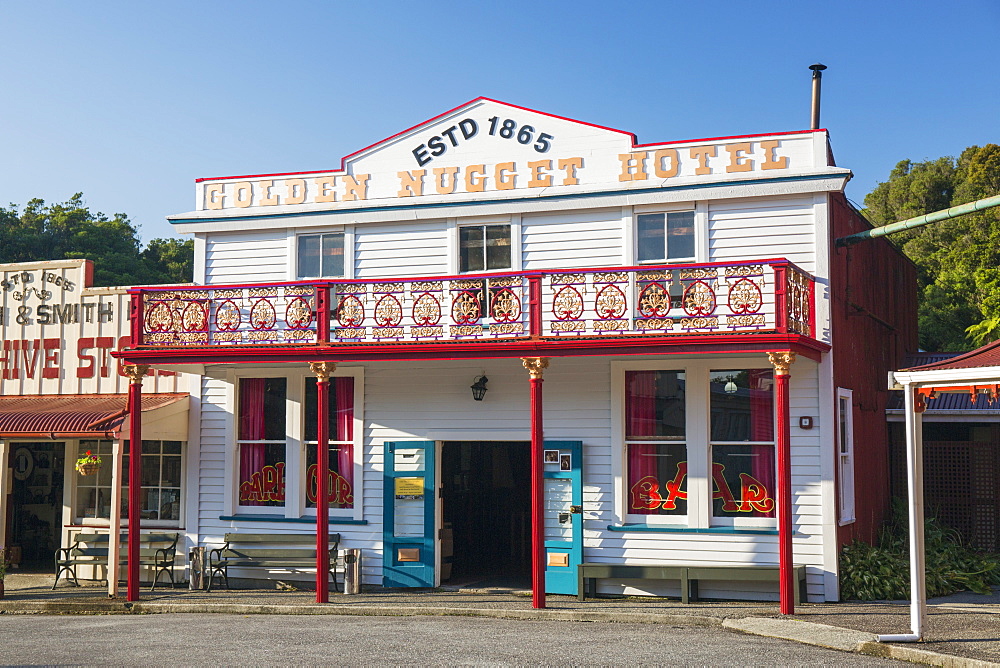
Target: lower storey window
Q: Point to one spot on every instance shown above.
(742, 433)
(655, 433)
(161, 475)
(738, 458)
(266, 458)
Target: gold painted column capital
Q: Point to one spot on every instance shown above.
(535, 366)
(323, 370)
(781, 361)
(135, 372)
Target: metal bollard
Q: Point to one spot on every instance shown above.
(352, 571)
(196, 560)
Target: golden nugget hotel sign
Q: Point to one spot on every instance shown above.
(496, 148)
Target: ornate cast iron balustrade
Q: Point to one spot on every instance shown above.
(677, 300)
(228, 315)
(427, 310)
(683, 299)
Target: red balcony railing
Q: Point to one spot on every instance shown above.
(669, 300)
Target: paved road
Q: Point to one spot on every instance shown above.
(216, 639)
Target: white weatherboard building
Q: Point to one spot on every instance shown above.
(683, 295)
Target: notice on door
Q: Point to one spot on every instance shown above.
(409, 488)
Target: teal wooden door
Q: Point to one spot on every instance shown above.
(562, 489)
(408, 515)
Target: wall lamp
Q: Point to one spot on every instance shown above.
(479, 388)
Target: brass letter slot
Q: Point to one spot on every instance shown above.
(408, 554)
(559, 559)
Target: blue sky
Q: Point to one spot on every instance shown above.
(129, 102)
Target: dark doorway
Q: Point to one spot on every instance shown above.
(486, 500)
(36, 504)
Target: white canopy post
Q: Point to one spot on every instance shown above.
(915, 485)
(6, 473)
(115, 520)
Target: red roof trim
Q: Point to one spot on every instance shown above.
(763, 134)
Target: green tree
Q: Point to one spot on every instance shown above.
(169, 260)
(69, 230)
(958, 260)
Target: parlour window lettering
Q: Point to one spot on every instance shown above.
(321, 255)
(261, 442)
(340, 480)
(268, 450)
(742, 444)
(655, 442)
(665, 236)
(845, 454)
(484, 247)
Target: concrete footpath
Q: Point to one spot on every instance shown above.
(963, 630)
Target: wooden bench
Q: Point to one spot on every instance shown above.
(92, 549)
(263, 550)
(689, 576)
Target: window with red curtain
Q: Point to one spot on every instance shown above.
(261, 441)
(341, 440)
(655, 443)
(742, 437)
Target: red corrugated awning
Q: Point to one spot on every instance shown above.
(988, 355)
(71, 415)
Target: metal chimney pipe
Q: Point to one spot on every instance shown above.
(817, 84)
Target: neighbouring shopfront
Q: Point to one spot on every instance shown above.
(514, 342)
(62, 395)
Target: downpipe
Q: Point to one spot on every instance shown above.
(919, 221)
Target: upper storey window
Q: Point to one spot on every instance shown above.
(665, 236)
(484, 247)
(321, 255)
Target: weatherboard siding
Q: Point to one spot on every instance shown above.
(573, 239)
(401, 250)
(247, 257)
(762, 228)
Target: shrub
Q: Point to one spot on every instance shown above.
(882, 571)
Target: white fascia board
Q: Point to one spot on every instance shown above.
(945, 415)
(194, 369)
(984, 375)
(377, 211)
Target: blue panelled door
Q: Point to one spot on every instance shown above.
(562, 485)
(408, 515)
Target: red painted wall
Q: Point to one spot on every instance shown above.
(873, 301)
